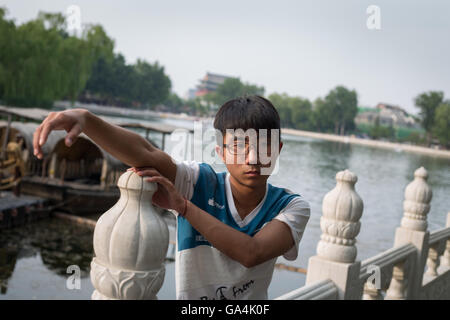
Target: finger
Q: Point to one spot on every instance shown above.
(145, 168)
(54, 121)
(46, 129)
(36, 146)
(161, 180)
(38, 133)
(148, 172)
(71, 137)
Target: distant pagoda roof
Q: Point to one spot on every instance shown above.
(211, 81)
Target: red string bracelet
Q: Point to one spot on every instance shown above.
(185, 208)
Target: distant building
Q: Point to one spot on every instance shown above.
(210, 83)
(190, 94)
(388, 115)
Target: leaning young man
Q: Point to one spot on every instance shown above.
(231, 226)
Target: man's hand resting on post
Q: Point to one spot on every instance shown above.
(166, 197)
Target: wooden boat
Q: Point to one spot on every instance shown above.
(82, 179)
(15, 160)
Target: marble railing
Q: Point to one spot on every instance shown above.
(131, 241)
(417, 267)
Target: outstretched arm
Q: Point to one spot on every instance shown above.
(125, 145)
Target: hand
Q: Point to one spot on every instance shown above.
(166, 196)
(72, 121)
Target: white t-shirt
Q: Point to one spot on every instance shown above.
(202, 271)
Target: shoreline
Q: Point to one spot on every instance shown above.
(368, 142)
(395, 146)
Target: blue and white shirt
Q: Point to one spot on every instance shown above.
(202, 271)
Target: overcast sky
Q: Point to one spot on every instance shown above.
(303, 48)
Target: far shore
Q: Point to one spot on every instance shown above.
(399, 147)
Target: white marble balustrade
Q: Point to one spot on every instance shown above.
(131, 241)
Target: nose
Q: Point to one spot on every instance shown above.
(252, 157)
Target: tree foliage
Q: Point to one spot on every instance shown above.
(342, 105)
(295, 112)
(232, 88)
(40, 62)
(334, 113)
(441, 127)
(428, 102)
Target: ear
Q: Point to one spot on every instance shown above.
(219, 151)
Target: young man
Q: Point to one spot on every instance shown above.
(231, 226)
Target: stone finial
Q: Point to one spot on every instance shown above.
(417, 202)
(342, 208)
(130, 244)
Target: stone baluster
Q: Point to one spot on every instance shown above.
(130, 244)
(398, 285)
(413, 227)
(371, 292)
(336, 252)
(433, 261)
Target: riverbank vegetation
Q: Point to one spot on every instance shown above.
(41, 62)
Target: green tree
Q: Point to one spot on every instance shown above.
(322, 116)
(378, 131)
(198, 106)
(427, 103)
(234, 87)
(342, 104)
(40, 62)
(152, 85)
(295, 112)
(441, 127)
(280, 103)
(100, 44)
(112, 82)
(7, 48)
(174, 103)
(301, 113)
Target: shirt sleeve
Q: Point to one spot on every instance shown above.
(295, 215)
(186, 177)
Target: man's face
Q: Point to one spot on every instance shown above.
(249, 155)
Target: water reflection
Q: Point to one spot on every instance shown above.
(8, 258)
(58, 243)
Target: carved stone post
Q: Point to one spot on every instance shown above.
(130, 244)
(396, 290)
(336, 252)
(414, 225)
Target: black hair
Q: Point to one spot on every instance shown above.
(247, 112)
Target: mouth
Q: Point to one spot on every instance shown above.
(252, 173)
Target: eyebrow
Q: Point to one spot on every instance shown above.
(239, 139)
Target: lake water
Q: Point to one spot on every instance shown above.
(34, 258)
